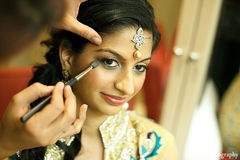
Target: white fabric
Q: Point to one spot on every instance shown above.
(204, 140)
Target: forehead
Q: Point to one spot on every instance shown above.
(123, 40)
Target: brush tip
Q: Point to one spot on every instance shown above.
(95, 64)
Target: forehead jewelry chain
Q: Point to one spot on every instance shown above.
(139, 40)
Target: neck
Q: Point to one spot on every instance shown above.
(92, 123)
(91, 135)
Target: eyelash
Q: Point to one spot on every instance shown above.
(105, 62)
(138, 68)
(144, 67)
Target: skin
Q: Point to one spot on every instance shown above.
(25, 37)
(52, 119)
(70, 23)
(123, 81)
(47, 126)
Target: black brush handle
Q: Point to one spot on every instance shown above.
(37, 108)
(43, 103)
(71, 82)
(46, 100)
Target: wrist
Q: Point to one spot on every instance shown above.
(4, 151)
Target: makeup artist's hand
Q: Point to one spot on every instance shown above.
(70, 23)
(54, 121)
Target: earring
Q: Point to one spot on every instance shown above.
(66, 75)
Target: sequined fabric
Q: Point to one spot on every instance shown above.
(54, 152)
(127, 136)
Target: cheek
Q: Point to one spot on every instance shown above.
(138, 83)
(99, 78)
(88, 87)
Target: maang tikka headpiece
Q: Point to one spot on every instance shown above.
(139, 40)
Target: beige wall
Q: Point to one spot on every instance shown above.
(166, 12)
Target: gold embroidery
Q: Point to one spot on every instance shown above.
(54, 152)
(123, 136)
(114, 133)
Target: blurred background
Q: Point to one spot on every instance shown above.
(193, 85)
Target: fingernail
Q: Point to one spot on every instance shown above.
(68, 87)
(61, 85)
(96, 40)
(85, 107)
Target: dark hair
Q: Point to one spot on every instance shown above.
(106, 17)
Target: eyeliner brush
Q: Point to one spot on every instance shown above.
(46, 100)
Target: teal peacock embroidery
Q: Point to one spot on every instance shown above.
(154, 152)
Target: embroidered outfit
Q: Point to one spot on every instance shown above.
(126, 136)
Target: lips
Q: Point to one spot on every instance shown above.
(114, 100)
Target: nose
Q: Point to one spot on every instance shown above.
(125, 83)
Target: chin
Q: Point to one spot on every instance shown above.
(112, 110)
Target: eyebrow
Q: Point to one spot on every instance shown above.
(118, 55)
(145, 59)
(112, 52)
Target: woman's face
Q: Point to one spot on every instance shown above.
(118, 77)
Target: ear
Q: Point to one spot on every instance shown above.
(66, 57)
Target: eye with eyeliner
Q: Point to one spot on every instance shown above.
(140, 68)
(110, 63)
